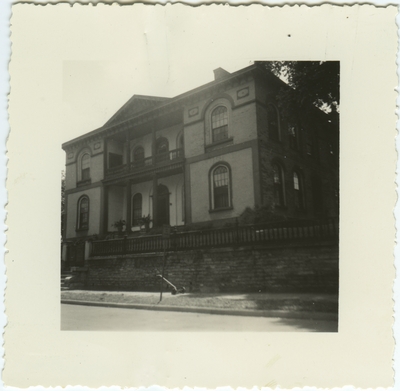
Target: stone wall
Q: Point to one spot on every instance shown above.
(301, 267)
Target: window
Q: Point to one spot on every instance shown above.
(219, 124)
(293, 137)
(279, 186)
(85, 167)
(136, 209)
(220, 187)
(138, 156)
(273, 122)
(298, 191)
(162, 149)
(83, 213)
(114, 160)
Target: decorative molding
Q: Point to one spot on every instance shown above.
(97, 145)
(70, 155)
(242, 93)
(193, 111)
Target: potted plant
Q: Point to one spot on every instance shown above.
(145, 221)
(119, 225)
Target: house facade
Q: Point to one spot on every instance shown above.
(205, 157)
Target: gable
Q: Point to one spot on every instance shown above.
(135, 105)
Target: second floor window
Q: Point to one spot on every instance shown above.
(219, 124)
(162, 149)
(273, 122)
(293, 137)
(138, 156)
(85, 167)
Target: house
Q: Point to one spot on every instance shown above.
(207, 156)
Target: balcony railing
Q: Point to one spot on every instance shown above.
(170, 156)
(232, 236)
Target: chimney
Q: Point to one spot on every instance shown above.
(220, 73)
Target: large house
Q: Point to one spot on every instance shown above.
(207, 156)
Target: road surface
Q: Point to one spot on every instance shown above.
(79, 317)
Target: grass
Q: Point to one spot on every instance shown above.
(251, 301)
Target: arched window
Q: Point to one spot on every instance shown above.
(138, 156)
(162, 149)
(219, 124)
(85, 167)
(220, 187)
(136, 209)
(279, 185)
(298, 191)
(273, 122)
(83, 213)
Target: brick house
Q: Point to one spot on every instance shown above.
(205, 157)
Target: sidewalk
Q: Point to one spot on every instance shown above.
(282, 305)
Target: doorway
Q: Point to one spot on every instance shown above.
(162, 205)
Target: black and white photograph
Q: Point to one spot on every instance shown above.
(218, 207)
(200, 196)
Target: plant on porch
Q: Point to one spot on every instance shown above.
(145, 221)
(119, 225)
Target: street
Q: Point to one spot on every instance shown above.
(79, 317)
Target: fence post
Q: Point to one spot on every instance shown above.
(88, 249)
(124, 244)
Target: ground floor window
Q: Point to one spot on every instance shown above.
(136, 209)
(83, 213)
(220, 187)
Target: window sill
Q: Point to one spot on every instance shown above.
(84, 182)
(220, 143)
(220, 209)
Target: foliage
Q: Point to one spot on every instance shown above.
(313, 83)
(119, 224)
(145, 220)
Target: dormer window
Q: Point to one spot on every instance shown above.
(219, 124)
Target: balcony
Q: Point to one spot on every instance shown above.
(161, 163)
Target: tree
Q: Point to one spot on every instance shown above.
(313, 83)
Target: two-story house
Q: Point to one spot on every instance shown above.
(204, 156)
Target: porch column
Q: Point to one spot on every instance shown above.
(155, 198)
(128, 151)
(105, 160)
(104, 211)
(153, 146)
(128, 207)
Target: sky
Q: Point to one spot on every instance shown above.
(85, 63)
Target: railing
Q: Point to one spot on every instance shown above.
(236, 235)
(147, 162)
(117, 169)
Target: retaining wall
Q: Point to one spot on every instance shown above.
(286, 268)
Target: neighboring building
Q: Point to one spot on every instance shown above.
(207, 155)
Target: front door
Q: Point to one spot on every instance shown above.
(163, 205)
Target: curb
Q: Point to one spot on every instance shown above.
(212, 311)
